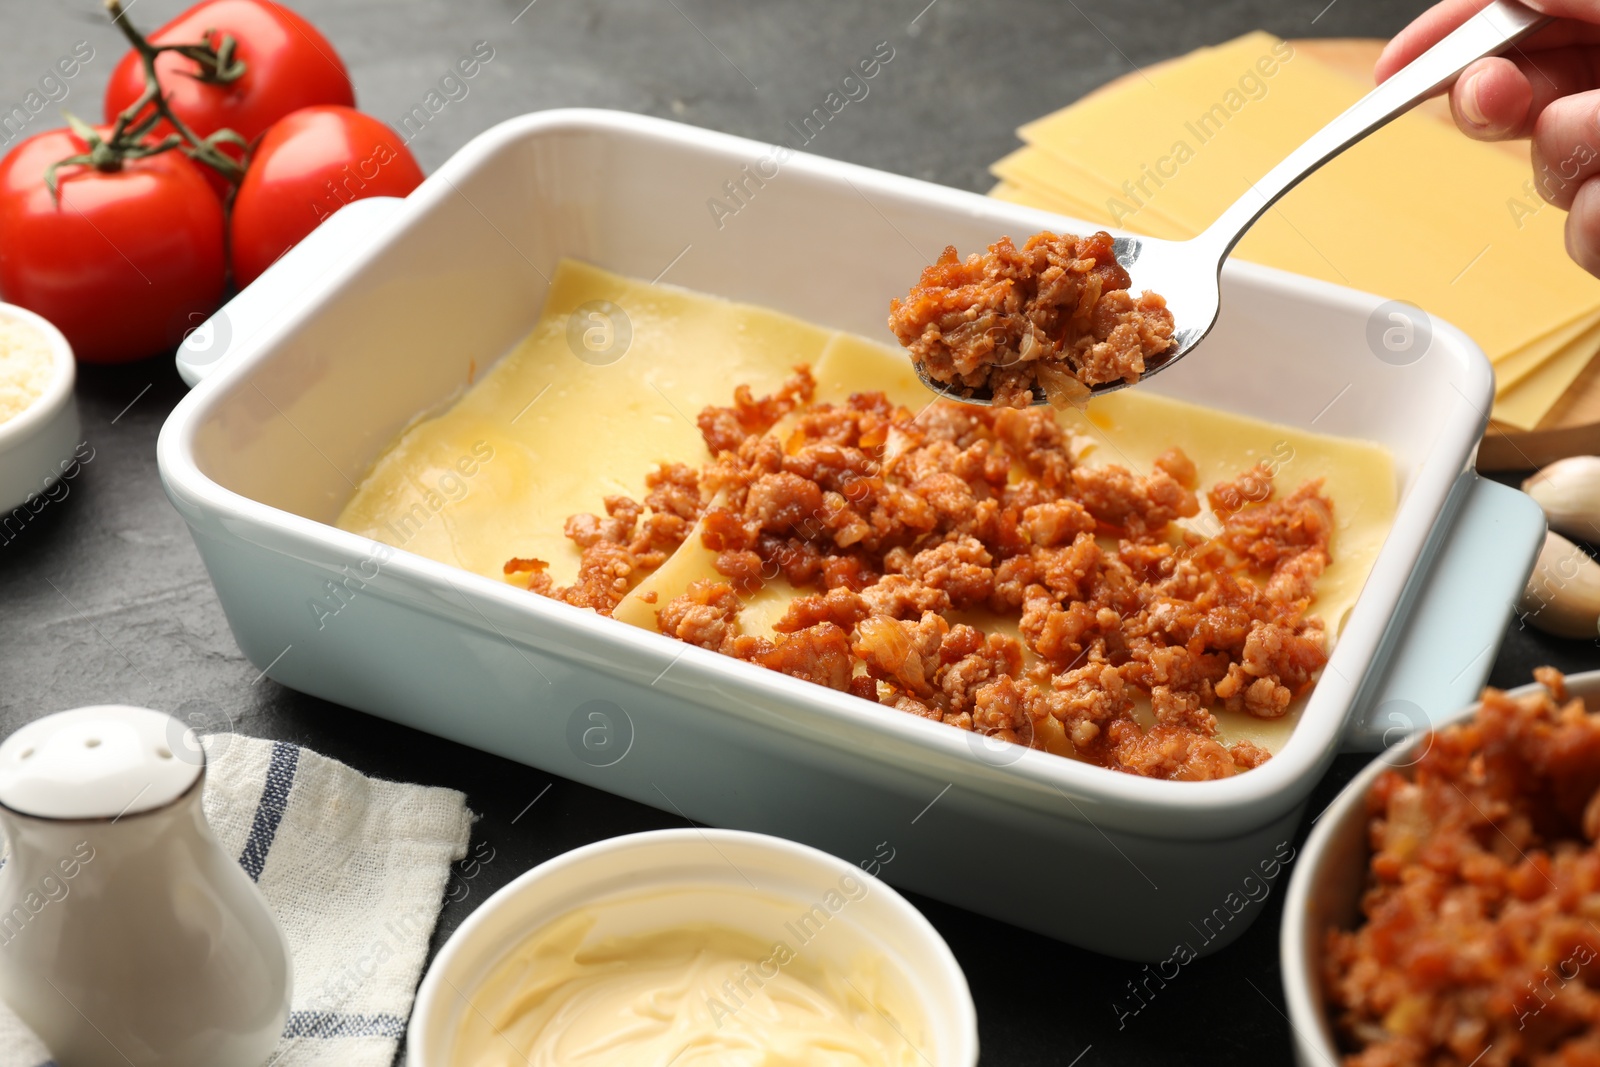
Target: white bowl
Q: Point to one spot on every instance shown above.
(36, 447)
(1330, 874)
(880, 922)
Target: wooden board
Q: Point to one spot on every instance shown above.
(1572, 426)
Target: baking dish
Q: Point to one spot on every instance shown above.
(384, 313)
(724, 869)
(1330, 875)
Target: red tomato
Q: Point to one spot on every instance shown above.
(307, 167)
(125, 263)
(288, 66)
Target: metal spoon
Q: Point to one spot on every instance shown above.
(1187, 273)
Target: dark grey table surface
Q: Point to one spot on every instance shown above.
(103, 597)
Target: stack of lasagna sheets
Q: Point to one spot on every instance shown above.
(1416, 212)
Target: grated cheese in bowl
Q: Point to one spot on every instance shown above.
(26, 364)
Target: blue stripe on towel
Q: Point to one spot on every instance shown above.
(339, 1024)
(269, 813)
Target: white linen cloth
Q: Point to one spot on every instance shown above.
(354, 869)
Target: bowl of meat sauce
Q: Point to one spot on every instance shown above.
(1444, 910)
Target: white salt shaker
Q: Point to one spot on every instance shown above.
(127, 935)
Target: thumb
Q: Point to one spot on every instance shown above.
(1583, 227)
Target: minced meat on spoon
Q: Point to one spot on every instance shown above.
(1049, 318)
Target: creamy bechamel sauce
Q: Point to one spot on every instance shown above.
(691, 995)
(561, 433)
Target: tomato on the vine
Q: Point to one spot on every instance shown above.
(125, 262)
(288, 65)
(307, 167)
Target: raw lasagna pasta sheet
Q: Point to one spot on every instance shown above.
(564, 433)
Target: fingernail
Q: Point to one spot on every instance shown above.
(1467, 100)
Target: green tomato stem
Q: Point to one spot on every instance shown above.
(128, 125)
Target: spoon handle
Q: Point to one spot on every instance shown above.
(1487, 33)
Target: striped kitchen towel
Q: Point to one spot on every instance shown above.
(355, 870)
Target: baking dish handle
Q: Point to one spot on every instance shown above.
(294, 277)
(1441, 650)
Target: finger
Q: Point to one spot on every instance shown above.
(1500, 99)
(1556, 74)
(1492, 100)
(1425, 31)
(1566, 147)
(1583, 227)
(1577, 23)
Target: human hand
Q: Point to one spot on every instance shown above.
(1546, 89)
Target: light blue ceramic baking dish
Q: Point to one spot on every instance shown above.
(378, 316)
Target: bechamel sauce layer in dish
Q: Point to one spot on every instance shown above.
(546, 434)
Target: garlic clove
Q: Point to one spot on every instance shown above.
(1563, 593)
(1569, 492)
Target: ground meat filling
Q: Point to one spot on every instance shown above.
(620, 549)
(962, 565)
(1480, 943)
(1045, 320)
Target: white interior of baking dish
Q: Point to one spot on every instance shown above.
(287, 431)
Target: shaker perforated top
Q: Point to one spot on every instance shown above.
(99, 762)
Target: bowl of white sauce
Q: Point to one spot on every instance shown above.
(696, 948)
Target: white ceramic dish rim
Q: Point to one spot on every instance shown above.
(1307, 1017)
(57, 392)
(1267, 789)
(950, 975)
